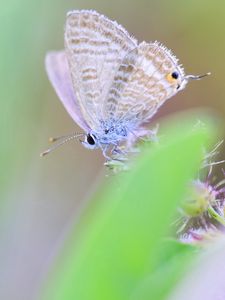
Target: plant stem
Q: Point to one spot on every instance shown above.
(216, 216)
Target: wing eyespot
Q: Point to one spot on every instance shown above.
(172, 77)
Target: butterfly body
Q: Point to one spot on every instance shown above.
(110, 133)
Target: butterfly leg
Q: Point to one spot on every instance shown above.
(104, 152)
(117, 150)
(119, 154)
(142, 134)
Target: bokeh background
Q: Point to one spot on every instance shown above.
(40, 198)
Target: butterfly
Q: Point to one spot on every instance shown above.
(109, 84)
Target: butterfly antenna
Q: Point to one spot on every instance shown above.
(64, 139)
(57, 138)
(196, 77)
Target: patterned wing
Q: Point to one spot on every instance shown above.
(143, 82)
(58, 72)
(95, 47)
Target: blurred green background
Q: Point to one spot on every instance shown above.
(40, 197)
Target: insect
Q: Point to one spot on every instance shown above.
(109, 84)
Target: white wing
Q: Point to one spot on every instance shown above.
(59, 75)
(143, 83)
(95, 47)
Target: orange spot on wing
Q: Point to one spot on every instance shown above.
(170, 78)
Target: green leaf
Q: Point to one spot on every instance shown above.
(174, 260)
(116, 245)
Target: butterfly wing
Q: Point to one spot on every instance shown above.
(95, 47)
(143, 83)
(58, 72)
